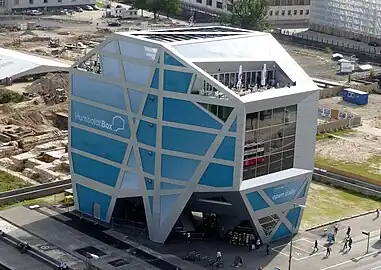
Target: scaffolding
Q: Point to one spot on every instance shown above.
(356, 19)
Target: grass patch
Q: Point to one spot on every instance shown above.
(53, 199)
(9, 182)
(326, 203)
(343, 132)
(363, 169)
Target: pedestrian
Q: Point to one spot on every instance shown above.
(316, 246)
(237, 261)
(335, 229)
(350, 243)
(258, 243)
(219, 256)
(251, 242)
(349, 231)
(328, 251)
(267, 249)
(345, 243)
(260, 267)
(377, 213)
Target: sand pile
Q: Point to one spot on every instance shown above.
(48, 84)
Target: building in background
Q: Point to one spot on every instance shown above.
(205, 129)
(281, 12)
(9, 6)
(359, 20)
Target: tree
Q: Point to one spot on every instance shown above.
(140, 4)
(163, 6)
(171, 7)
(248, 14)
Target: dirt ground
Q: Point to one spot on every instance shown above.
(359, 146)
(318, 64)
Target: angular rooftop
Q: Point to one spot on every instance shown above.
(216, 51)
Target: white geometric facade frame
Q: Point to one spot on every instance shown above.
(159, 232)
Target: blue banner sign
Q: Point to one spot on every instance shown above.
(285, 192)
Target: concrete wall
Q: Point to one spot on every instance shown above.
(339, 124)
(331, 92)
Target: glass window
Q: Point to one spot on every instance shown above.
(209, 2)
(295, 12)
(264, 134)
(219, 5)
(289, 129)
(288, 143)
(199, 1)
(289, 12)
(269, 141)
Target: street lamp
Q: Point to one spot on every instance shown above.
(292, 234)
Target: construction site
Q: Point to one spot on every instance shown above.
(34, 65)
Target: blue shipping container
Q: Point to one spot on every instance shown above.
(355, 96)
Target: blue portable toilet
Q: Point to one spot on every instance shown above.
(355, 96)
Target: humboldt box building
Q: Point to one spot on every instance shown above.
(171, 127)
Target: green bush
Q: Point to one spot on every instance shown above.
(7, 96)
(328, 50)
(372, 73)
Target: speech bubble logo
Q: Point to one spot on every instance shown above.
(117, 123)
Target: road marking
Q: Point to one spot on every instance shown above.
(349, 261)
(378, 267)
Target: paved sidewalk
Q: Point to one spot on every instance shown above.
(68, 239)
(41, 245)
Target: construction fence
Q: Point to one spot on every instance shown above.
(336, 120)
(364, 54)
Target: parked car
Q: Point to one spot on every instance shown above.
(78, 9)
(374, 44)
(36, 12)
(114, 23)
(95, 7)
(88, 8)
(118, 6)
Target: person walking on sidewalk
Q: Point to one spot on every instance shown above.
(335, 229)
(316, 246)
(350, 243)
(345, 243)
(328, 251)
(377, 213)
(349, 231)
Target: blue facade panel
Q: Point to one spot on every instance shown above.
(150, 107)
(147, 133)
(185, 112)
(227, 149)
(155, 79)
(178, 168)
(293, 216)
(98, 145)
(167, 203)
(256, 201)
(110, 67)
(285, 192)
(169, 60)
(136, 99)
(95, 170)
(150, 184)
(87, 197)
(281, 232)
(177, 81)
(93, 117)
(217, 175)
(130, 181)
(187, 141)
(233, 127)
(148, 160)
(98, 91)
